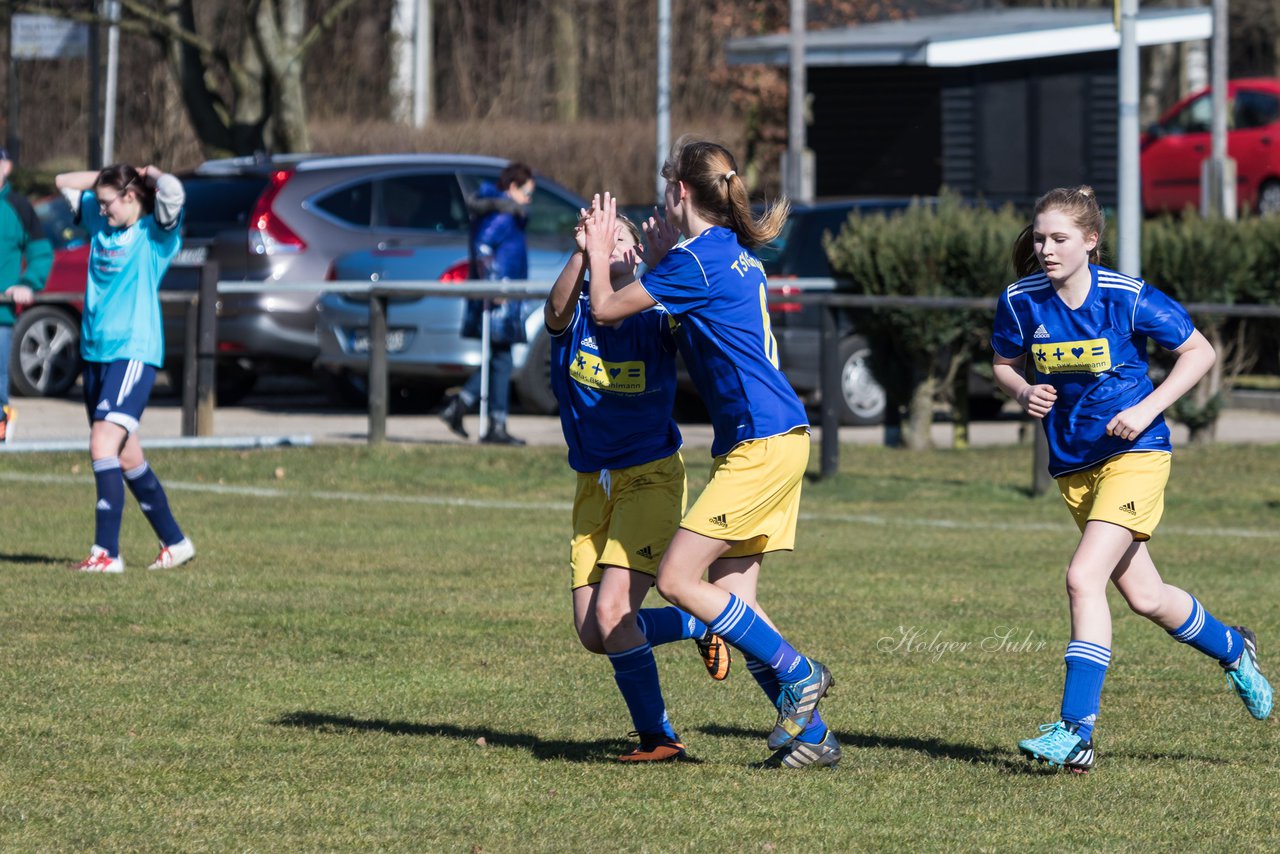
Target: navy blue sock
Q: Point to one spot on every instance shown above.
(110, 507)
(816, 731)
(665, 625)
(742, 627)
(1204, 632)
(1082, 692)
(636, 673)
(146, 487)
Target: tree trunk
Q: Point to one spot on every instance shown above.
(564, 62)
(920, 413)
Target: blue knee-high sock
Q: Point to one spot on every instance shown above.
(636, 672)
(146, 487)
(110, 507)
(665, 625)
(742, 627)
(816, 731)
(1082, 691)
(1204, 632)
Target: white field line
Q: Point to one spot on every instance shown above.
(565, 507)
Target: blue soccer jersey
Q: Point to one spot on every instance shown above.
(616, 387)
(1095, 356)
(121, 304)
(717, 290)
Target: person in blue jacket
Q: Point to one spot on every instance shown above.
(25, 260)
(134, 219)
(1082, 330)
(498, 252)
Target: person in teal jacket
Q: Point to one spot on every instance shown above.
(25, 260)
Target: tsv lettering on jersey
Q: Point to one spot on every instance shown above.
(619, 377)
(745, 262)
(1073, 357)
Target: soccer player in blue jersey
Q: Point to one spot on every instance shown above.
(1084, 330)
(133, 218)
(715, 287)
(616, 386)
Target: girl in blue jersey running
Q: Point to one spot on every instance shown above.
(714, 285)
(1084, 329)
(133, 217)
(616, 386)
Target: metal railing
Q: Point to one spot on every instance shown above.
(200, 348)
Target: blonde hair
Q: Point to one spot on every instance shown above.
(717, 191)
(1081, 205)
(631, 228)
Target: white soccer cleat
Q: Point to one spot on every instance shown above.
(99, 561)
(173, 556)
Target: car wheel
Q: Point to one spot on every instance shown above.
(863, 397)
(1269, 198)
(46, 352)
(533, 383)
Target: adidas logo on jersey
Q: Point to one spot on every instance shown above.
(646, 552)
(1041, 332)
(103, 405)
(590, 343)
(1129, 508)
(719, 520)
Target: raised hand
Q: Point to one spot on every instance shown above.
(660, 236)
(601, 226)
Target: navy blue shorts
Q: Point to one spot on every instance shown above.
(118, 391)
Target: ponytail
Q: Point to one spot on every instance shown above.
(718, 193)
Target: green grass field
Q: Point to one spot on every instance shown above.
(374, 651)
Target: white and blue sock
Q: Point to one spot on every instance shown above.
(146, 488)
(1204, 632)
(110, 507)
(743, 628)
(636, 672)
(1082, 692)
(816, 731)
(669, 624)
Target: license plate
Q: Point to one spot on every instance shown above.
(191, 257)
(397, 340)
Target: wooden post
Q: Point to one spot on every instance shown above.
(377, 368)
(829, 376)
(190, 361)
(207, 352)
(1041, 481)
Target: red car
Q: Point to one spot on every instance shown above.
(45, 361)
(1174, 148)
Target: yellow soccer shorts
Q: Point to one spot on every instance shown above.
(1126, 490)
(625, 517)
(753, 498)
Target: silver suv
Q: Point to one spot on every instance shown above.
(315, 210)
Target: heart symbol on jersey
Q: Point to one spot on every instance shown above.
(613, 372)
(1077, 352)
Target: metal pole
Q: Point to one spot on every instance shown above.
(422, 93)
(94, 155)
(113, 63)
(829, 378)
(1130, 176)
(1219, 175)
(664, 93)
(206, 355)
(377, 378)
(796, 184)
(14, 141)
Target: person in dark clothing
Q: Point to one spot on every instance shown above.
(498, 252)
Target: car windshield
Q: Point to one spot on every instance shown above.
(219, 203)
(60, 223)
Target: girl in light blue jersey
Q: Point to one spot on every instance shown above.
(1084, 329)
(133, 217)
(616, 385)
(714, 285)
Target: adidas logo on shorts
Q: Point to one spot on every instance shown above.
(1129, 508)
(719, 520)
(646, 552)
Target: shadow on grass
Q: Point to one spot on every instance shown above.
(602, 750)
(38, 559)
